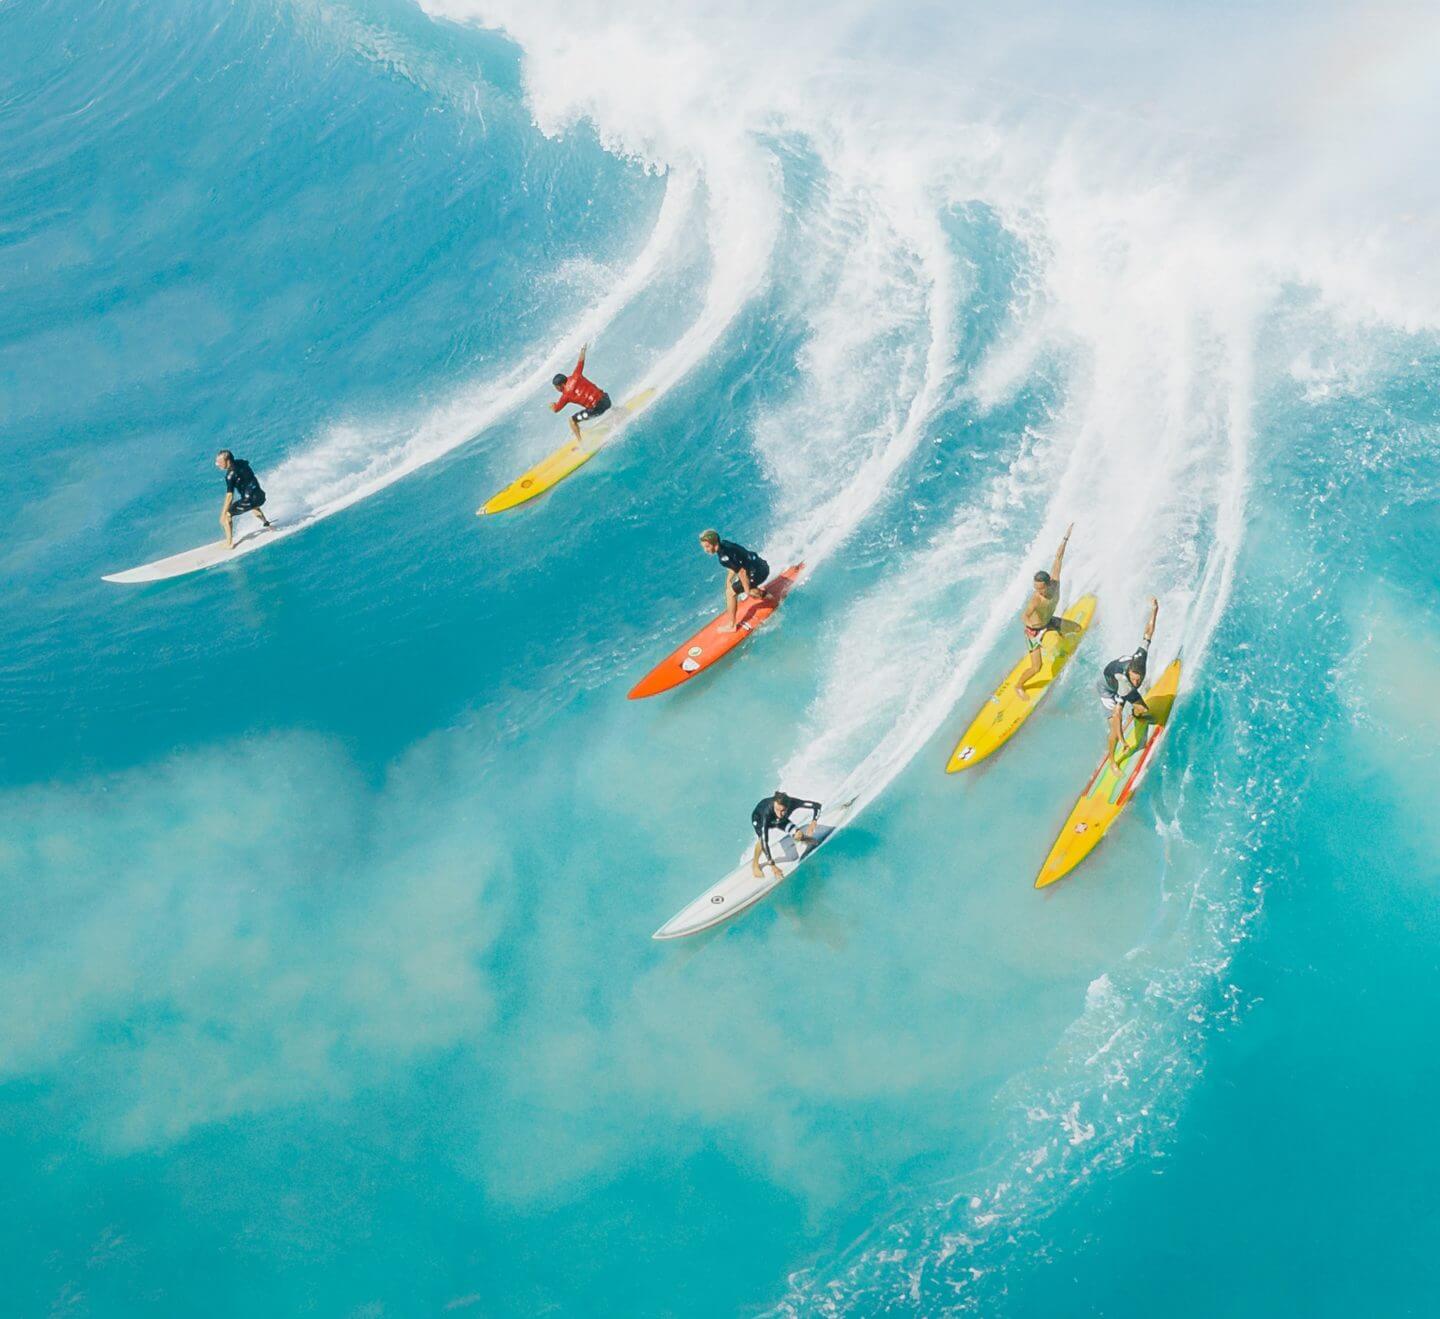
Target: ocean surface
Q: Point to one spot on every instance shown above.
(328, 876)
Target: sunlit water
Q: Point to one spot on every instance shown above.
(328, 879)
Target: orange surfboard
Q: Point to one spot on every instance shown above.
(711, 644)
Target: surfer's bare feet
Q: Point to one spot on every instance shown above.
(1020, 691)
(728, 627)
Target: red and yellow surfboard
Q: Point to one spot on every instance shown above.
(1112, 784)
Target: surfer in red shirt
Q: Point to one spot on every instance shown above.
(575, 388)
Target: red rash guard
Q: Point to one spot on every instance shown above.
(578, 390)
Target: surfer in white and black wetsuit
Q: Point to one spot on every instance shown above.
(242, 493)
(744, 571)
(1120, 683)
(778, 812)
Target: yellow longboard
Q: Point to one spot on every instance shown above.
(567, 458)
(1004, 712)
(1113, 783)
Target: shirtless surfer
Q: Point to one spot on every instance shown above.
(575, 388)
(1038, 616)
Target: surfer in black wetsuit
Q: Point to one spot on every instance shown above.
(744, 571)
(242, 493)
(1120, 683)
(778, 812)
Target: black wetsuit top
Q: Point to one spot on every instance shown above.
(733, 557)
(1116, 673)
(764, 819)
(241, 481)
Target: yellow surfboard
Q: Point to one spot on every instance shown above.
(1000, 718)
(567, 458)
(1113, 783)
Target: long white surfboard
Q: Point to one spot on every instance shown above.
(209, 556)
(740, 889)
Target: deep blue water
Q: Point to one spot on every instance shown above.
(329, 875)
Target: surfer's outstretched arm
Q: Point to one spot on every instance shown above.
(1150, 622)
(1060, 553)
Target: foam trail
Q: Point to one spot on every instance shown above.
(742, 221)
(907, 218)
(346, 466)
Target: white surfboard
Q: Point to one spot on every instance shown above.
(740, 889)
(209, 556)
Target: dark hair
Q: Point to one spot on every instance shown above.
(226, 454)
(1043, 576)
(558, 381)
(1137, 664)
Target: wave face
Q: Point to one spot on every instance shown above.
(328, 880)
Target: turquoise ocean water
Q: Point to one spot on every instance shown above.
(328, 877)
